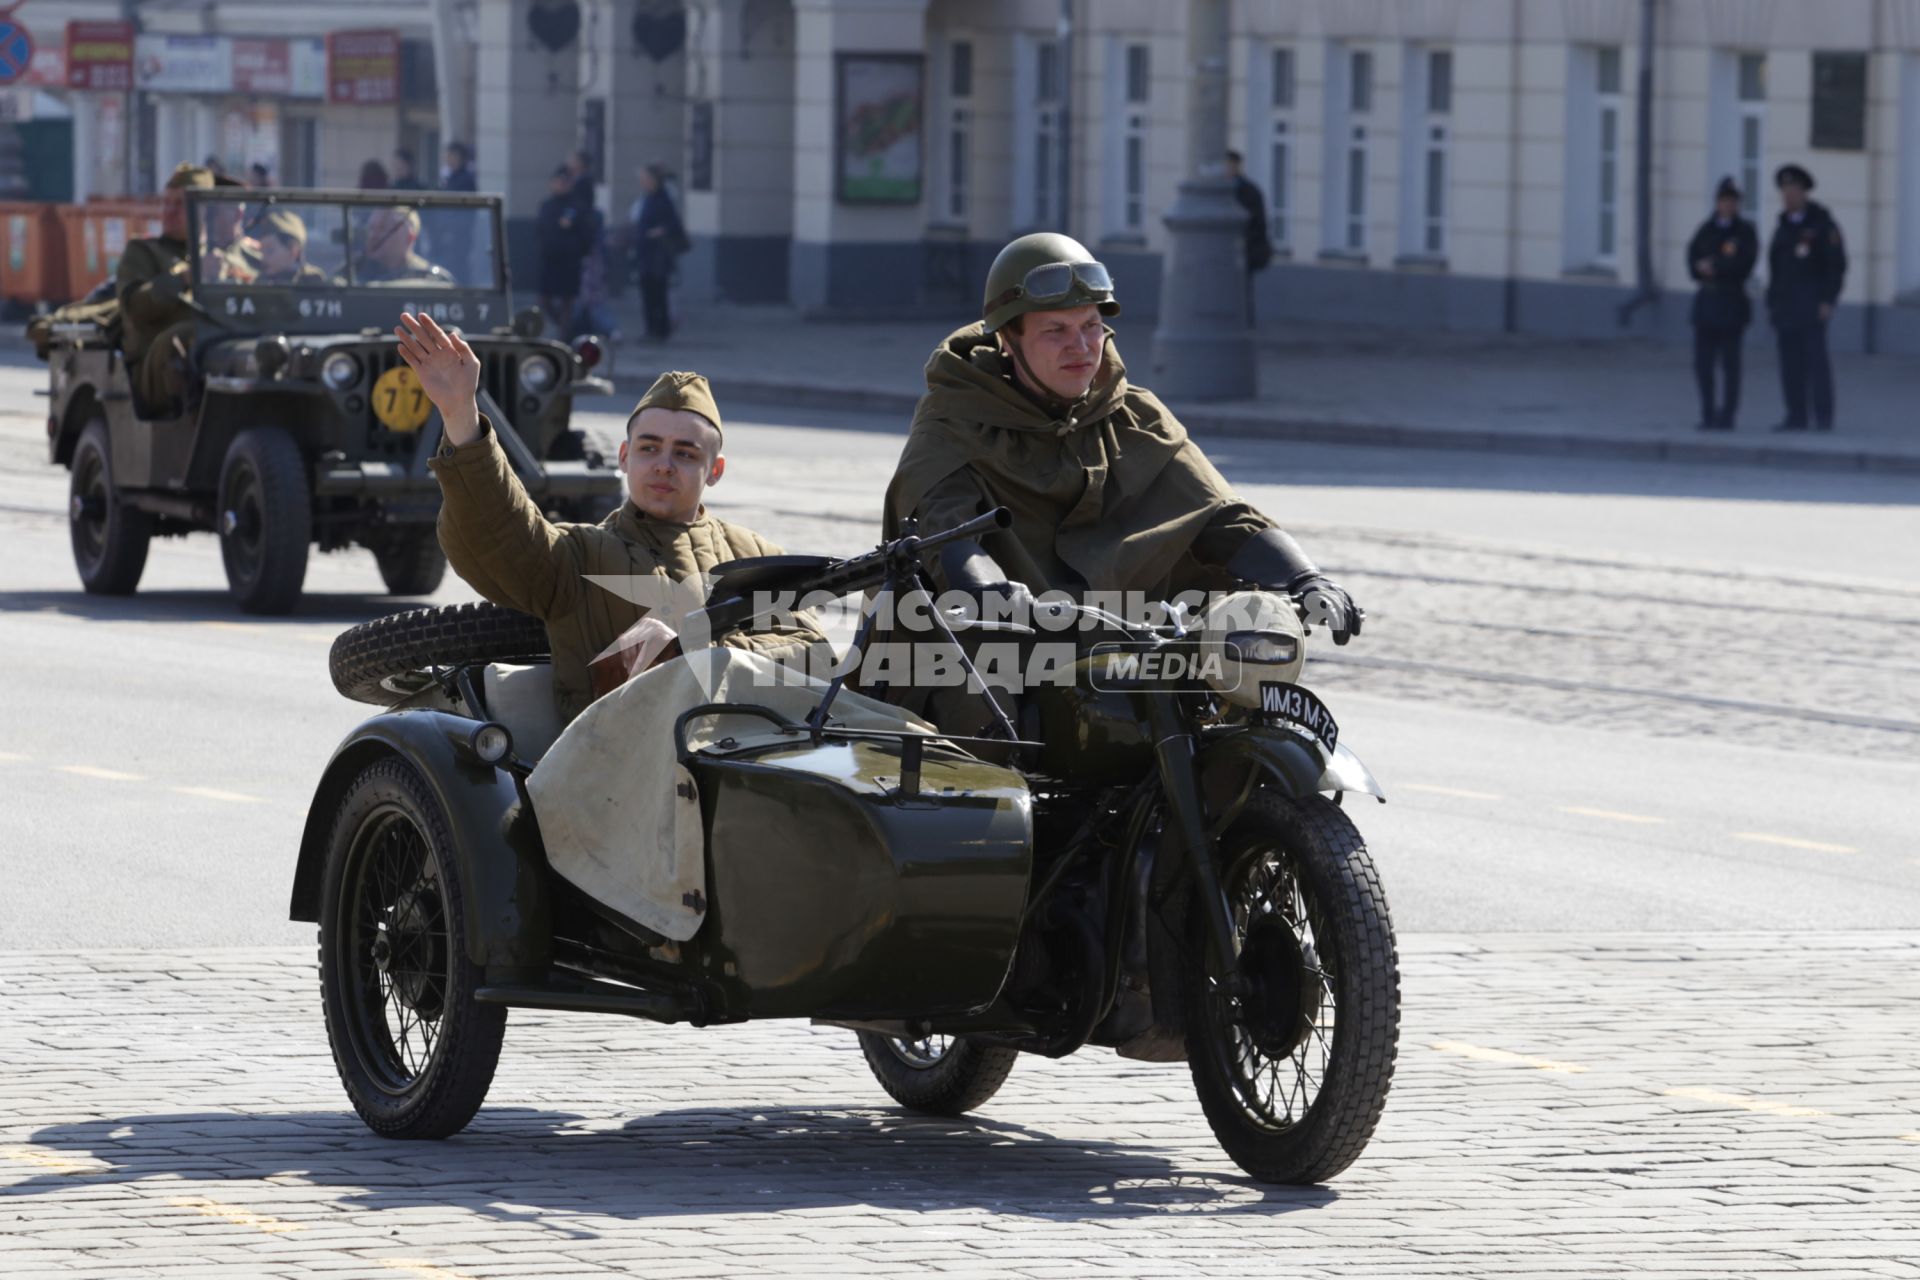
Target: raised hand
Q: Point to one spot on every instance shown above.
(448, 370)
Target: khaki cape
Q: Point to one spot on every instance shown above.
(1111, 495)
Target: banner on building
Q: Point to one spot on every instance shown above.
(183, 64)
(277, 68)
(877, 136)
(100, 56)
(363, 67)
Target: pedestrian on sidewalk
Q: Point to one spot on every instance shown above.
(659, 238)
(403, 176)
(1807, 264)
(561, 233)
(1259, 241)
(1721, 256)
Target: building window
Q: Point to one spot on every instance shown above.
(1909, 220)
(1129, 89)
(1752, 115)
(1426, 131)
(1038, 84)
(1279, 148)
(1595, 146)
(953, 137)
(1607, 109)
(1349, 129)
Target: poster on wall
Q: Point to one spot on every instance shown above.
(363, 67)
(183, 64)
(878, 152)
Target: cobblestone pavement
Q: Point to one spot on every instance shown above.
(1648, 1105)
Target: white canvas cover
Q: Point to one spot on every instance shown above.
(620, 816)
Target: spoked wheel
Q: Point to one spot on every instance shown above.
(415, 1052)
(110, 539)
(1292, 1055)
(266, 520)
(940, 1075)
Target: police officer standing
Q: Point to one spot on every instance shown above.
(1721, 257)
(1807, 262)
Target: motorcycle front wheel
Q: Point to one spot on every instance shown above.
(1292, 1055)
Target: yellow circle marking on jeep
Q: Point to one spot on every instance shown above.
(399, 401)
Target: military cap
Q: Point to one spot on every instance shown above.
(227, 180)
(1793, 173)
(191, 175)
(281, 222)
(676, 390)
(1728, 187)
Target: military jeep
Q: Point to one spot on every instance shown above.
(301, 426)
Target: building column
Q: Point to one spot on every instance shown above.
(525, 121)
(737, 181)
(646, 114)
(863, 257)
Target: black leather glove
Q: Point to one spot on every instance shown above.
(1273, 559)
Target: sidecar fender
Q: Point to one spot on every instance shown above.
(1299, 767)
(502, 866)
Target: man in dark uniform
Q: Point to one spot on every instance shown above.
(1807, 263)
(1259, 241)
(282, 234)
(386, 251)
(1721, 257)
(156, 310)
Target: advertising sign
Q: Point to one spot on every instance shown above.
(262, 66)
(183, 64)
(877, 128)
(49, 69)
(100, 56)
(363, 67)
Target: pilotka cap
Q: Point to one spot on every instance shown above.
(678, 390)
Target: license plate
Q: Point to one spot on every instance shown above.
(1292, 705)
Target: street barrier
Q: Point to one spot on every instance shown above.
(96, 234)
(33, 256)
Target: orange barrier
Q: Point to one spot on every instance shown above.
(96, 233)
(33, 253)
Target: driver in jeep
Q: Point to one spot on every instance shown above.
(497, 539)
(386, 253)
(1030, 408)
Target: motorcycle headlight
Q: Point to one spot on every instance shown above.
(340, 371)
(1264, 646)
(538, 374)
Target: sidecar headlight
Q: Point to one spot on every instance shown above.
(538, 374)
(491, 742)
(1264, 646)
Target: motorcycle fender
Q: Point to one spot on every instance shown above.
(1298, 767)
(501, 862)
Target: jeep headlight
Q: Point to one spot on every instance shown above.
(538, 374)
(1251, 637)
(340, 371)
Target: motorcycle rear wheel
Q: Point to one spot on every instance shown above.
(1293, 1072)
(937, 1075)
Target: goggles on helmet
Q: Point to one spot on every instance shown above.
(1056, 281)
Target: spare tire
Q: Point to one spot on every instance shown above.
(367, 660)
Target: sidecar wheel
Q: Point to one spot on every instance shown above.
(939, 1075)
(1293, 1072)
(415, 1053)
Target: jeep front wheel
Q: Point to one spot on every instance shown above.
(266, 520)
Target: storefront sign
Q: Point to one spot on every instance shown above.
(49, 69)
(100, 56)
(183, 64)
(262, 66)
(363, 67)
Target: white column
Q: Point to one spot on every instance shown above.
(525, 119)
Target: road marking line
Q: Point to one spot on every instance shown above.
(50, 1161)
(235, 1214)
(1910, 1137)
(425, 1270)
(1793, 842)
(1459, 793)
(1743, 1102)
(1610, 815)
(105, 775)
(13, 757)
(1481, 1053)
(215, 793)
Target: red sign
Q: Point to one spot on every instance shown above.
(262, 66)
(100, 55)
(363, 67)
(49, 69)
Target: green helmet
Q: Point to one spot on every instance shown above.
(1045, 271)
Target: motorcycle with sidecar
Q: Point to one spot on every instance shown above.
(1133, 859)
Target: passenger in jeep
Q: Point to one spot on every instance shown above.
(497, 539)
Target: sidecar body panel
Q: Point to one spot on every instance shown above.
(838, 893)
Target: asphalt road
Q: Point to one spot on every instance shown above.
(1600, 696)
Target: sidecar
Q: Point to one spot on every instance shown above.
(730, 861)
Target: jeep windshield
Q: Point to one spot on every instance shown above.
(305, 260)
